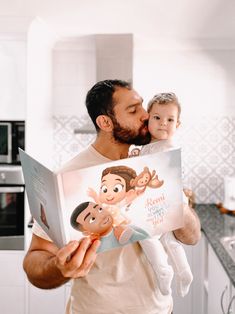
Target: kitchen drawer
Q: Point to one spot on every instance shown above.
(11, 269)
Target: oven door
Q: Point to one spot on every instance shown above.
(5, 142)
(11, 211)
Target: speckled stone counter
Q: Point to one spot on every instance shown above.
(215, 226)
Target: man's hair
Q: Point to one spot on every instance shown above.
(124, 172)
(164, 99)
(99, 99)
(77, 211)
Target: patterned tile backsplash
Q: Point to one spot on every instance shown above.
(208, 150)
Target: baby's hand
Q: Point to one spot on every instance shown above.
(92, 193)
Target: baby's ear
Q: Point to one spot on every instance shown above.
(178, 123)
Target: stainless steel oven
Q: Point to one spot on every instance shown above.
(5, 142)
(12, 136)
(12, 193)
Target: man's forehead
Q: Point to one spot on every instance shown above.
(126, 96)
(89, 207)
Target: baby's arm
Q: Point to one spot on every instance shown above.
(92, 193)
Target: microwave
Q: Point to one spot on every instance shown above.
(12, 136)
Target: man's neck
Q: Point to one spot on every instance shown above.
(109, 148)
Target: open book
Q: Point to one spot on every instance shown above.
(118, 202)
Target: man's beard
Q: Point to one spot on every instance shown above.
(128, 136)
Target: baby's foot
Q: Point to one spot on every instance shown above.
(164, 280)
(183, 281)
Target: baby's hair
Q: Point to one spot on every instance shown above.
(124, 172)
(164, 99)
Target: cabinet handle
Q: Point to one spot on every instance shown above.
(222, 300)
(230, 310)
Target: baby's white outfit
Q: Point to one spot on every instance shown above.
(165, 248)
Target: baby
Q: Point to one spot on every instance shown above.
(164, 114)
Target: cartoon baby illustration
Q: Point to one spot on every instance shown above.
(97, 222)
(115, 193)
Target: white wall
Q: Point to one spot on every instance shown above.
(202, 77)
(39, 123)
(12, 78)
(74, 72)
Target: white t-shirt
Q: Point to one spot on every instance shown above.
(121, 281)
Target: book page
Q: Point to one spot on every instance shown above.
(125, 200)
(41, 188)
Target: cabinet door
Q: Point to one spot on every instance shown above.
(12, 300)
(46, 301)
(12, 282)
(12, 79)
(194, 302)
(183, 305)
(219, 286)
(231, 309)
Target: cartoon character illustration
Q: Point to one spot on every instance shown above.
(97, 223)
(135, 152)
(146, 179)
(115, 193)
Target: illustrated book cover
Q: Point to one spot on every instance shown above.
(118, 202)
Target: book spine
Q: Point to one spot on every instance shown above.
(61, 209)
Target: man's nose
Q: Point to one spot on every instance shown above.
(145, 115)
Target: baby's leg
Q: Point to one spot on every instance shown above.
(123, 233)
(157, 256)
(178, 260)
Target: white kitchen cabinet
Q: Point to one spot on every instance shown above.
(12, 283)
(195, 301)
(12, 78)
(46, 301)
(231, 308)
(219, 285)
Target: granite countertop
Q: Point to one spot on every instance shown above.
(216, 226)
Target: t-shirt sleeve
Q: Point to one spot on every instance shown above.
(38, 231)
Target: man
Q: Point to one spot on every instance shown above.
(120, 280)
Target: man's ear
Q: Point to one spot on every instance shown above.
(178, 123)
(104, 123)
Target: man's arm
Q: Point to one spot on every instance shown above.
(48, 267)
(191, 232)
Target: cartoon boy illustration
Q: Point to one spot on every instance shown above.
(97, 222)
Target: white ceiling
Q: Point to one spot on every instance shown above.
(159, 18)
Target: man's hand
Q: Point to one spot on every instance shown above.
(191, 232)
(48, 267)
(76, 258)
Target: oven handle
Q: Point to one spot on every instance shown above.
(11, 189)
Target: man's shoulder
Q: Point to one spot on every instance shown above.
(86, 158)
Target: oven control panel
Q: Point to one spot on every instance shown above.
(11, 175)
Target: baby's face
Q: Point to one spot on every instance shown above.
(163, 121)
(113, 189)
